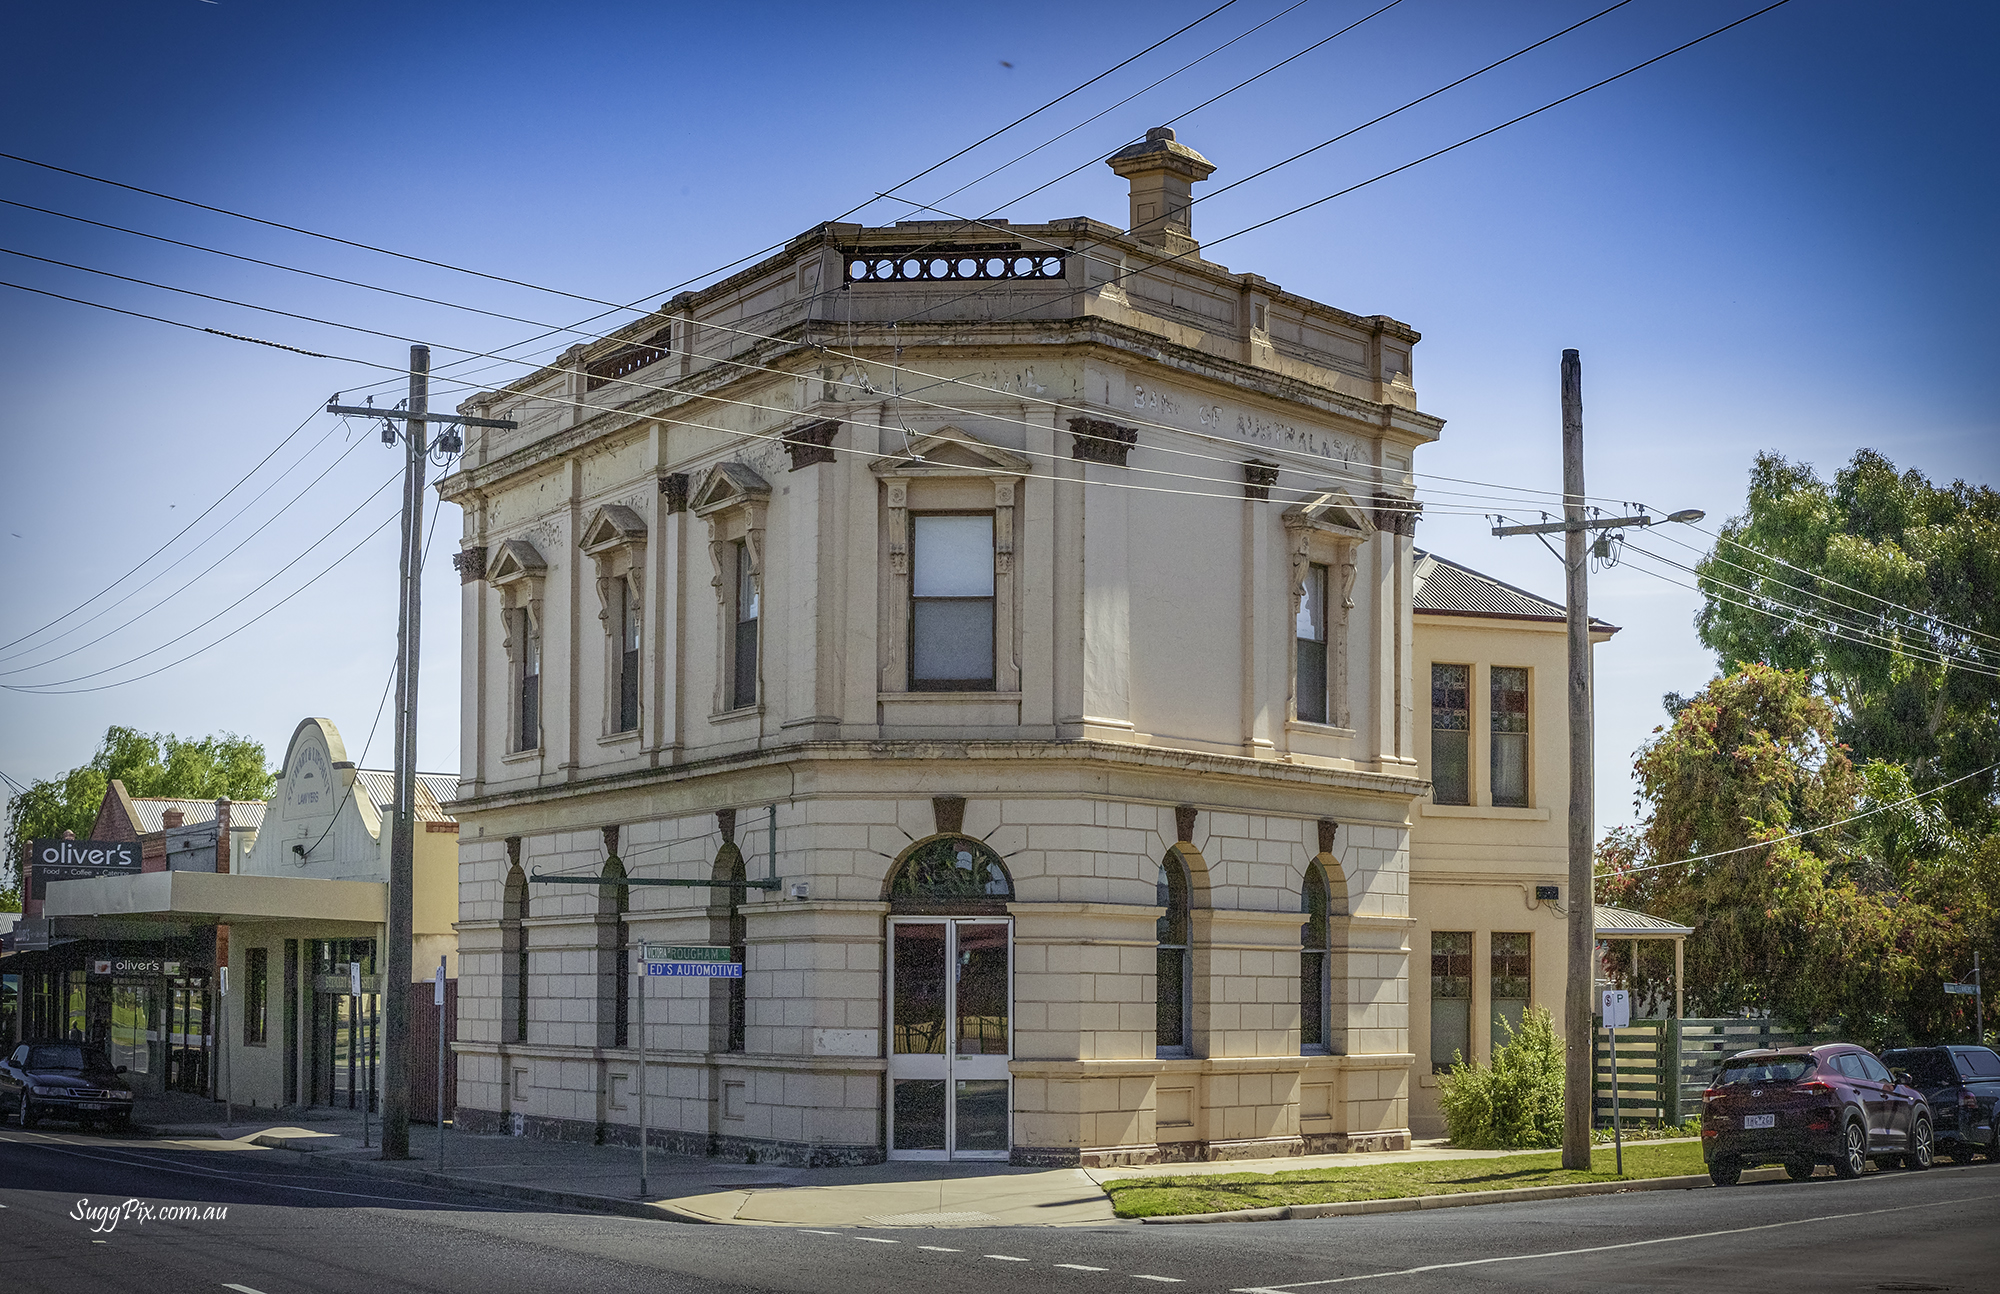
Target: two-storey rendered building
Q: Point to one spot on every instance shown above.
(1001, 637)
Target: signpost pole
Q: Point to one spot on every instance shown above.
(644, 1130)
(437, 998)
(354, 991)
(222, 1049)
(1978, 1003)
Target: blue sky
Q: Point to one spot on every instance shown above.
(1780, 239)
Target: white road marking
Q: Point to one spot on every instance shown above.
(809, 1231)
(241, 1289)
(940, 1249)
(1005, 1258)
(1079, 1267)
(1171, 1280)
(1599, 1249)
(876, 1240)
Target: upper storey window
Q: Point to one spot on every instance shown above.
(743, 638)
(528, 694)
(518, 573)
(951, 603)
(1510, 736)
(1311, 634)
(1451, 734)
(615, 541)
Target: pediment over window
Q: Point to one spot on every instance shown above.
(727, 485)
(1334, 513)
(612, 526)
(949, 451)
(515, 560)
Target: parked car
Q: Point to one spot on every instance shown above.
(1962, 1085)
(66, 1080)
(1805, 1106)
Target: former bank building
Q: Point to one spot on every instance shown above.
(1002, 636)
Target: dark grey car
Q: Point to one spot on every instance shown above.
(64, 1080)
(1962, 1085)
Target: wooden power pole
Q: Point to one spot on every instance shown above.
(393, 963)
(1579, 1057)
(1578, 1016)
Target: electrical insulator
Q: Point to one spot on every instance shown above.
(450, 441)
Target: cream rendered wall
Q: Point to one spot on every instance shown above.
(1474, 867)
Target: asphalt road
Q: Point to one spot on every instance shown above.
(289, 1230)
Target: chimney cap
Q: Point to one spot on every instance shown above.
(1160, 151)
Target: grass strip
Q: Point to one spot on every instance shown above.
(1151, 1197)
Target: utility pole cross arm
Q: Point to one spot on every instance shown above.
(1559, 527)
(403, 415)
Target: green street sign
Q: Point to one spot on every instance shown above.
(1967, 989)
(683, 953)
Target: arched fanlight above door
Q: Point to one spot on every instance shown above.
(951, 871)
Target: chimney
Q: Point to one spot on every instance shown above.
(1162, 172)
(171, 818)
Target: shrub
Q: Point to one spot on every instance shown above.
(1517, 1101)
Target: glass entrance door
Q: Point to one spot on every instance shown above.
(951, 1032)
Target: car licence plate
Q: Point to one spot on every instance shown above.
(1760, 1121)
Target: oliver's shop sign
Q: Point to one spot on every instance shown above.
(74, 860)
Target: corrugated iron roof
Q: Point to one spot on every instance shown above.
(1444, 587)
(435, 791)
(1623, 923)
(244, 815)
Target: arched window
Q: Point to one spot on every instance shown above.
(727, 1004)
(514, 954)
(614, 903)
(1315, 943)
(951, 872)
(1175, 988)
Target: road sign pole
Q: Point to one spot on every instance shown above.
(1978, 1003)
(644, 1130)
(437, 997)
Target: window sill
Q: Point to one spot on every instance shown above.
(619, 738)
(1317, 729)
(521, 756)
(1488, 811)
(733, 716)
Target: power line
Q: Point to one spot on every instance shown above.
(1840, 628)
(1796, 614)
(1779, 840)
(1916, 615)
(44, 688)
(1338, 193)
(183, 557)
(1294, 157)
(1724, 537)
(177, 534)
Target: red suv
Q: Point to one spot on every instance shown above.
(1805, 1106)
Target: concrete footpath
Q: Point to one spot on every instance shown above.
(690, 1189)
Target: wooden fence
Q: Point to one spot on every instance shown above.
(1665, 1065)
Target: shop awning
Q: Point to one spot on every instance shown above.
(211, 897)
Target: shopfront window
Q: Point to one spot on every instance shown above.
(256, 995)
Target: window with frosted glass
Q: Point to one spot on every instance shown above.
(1311, 635)
(951, 603)
(743, 643)
(1510, 983)
(1451, 732)
(1451, 998)
(1510, 736)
